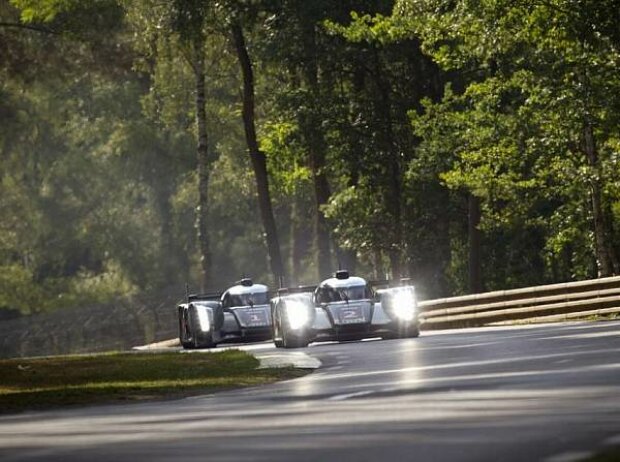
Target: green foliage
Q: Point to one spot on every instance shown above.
(17, 290)
(540, 74)
(373, 29)
(409, 107)
(361, 221)
(281, 144)
(84, 20)
(43, 10)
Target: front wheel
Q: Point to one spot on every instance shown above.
(290, 340)
(294, 342)
(389, 336)
(184, 331)
(412, 332)
(204, 342)
(275, 331)
(405, 332)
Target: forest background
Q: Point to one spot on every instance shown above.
(468, 144)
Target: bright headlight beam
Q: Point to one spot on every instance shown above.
(203, 319)
(404, 305)
(297, 314)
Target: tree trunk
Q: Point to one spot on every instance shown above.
(321, 194)
(300, 240)
(611, 232)
(394, 187)
(605, 254)
(347, 259)
(473, 231)
(169, 260)
(311, 126)
(259, 162)
(442, 252)
(203, 164)
(377, 264)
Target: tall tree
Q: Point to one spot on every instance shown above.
(189, 21)
(310, 123)
(181, 28)
(71, 101)
(543, 80)
(388, 79)
(259, 162)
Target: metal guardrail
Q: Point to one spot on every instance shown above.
(552, 302)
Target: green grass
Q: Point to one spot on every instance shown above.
(610, 455)
(39, 383)
(602, 317)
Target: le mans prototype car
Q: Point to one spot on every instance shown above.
(240, 314)
(343, 307)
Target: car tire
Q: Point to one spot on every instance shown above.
(409, 332)
(204, 342)
(183, 333)
(412, 332)
(276, 332)
(293, 341)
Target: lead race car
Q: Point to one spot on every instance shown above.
(343, 307)
(239, 314)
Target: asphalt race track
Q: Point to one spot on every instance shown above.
(549, 393)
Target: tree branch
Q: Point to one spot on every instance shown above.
(17, 25)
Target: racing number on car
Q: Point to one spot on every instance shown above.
(351, 315)
(256, 318)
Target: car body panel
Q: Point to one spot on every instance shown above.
(380, 317)
(321, 321)
(252, 316)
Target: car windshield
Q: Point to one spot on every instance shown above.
(343, 294)
(258, 298)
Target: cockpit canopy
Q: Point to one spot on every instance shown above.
(246, 295)
(342, 294)
(339, 289)
(258, 298)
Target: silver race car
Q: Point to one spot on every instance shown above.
(343, 307)
(239, 314)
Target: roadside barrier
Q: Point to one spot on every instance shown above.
(570, 300)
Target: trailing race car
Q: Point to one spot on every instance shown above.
(343, 308)
(240, 314)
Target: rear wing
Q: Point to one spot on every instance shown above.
(387, 283)
(295, 290)
(213, 296)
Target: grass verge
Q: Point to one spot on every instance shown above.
(609, 455)
(40, 383)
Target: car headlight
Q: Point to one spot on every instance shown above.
(203, 319)
(404, 305)
(297, 314)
